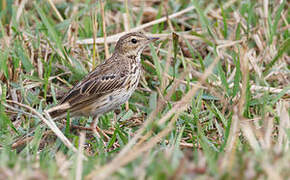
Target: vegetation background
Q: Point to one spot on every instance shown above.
(213, 102)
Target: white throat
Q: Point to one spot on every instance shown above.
(138, 58)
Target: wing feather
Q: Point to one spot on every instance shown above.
(100, 81)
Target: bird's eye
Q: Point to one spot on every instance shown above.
(134, 41)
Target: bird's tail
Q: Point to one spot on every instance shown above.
(58, 111)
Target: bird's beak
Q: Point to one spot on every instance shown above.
(151, 39)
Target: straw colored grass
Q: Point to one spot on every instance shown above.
(213, 101)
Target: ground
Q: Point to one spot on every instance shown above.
(212, 103)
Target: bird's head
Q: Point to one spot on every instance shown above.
(132, 44)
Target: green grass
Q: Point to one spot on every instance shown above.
(213, 101)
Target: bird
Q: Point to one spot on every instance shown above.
(107, 86)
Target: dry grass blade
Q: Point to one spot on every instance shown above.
(270, 170)
(79, 169)
(115, 37)
(55, 10)
(268, 133)
(26, 140)
(245, 72)
(282, 111)
(229, 158)
(233, 132)
(249, 133)
(20, 9)
(104, 30)
(50, 124)
(95, 48)
(268, 89)
(126, 17)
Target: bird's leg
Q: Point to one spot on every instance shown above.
(127, 105)
(96, 129)
(94, 125)
(114, 120)
(116, 112)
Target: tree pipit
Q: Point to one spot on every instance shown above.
(109, 85)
